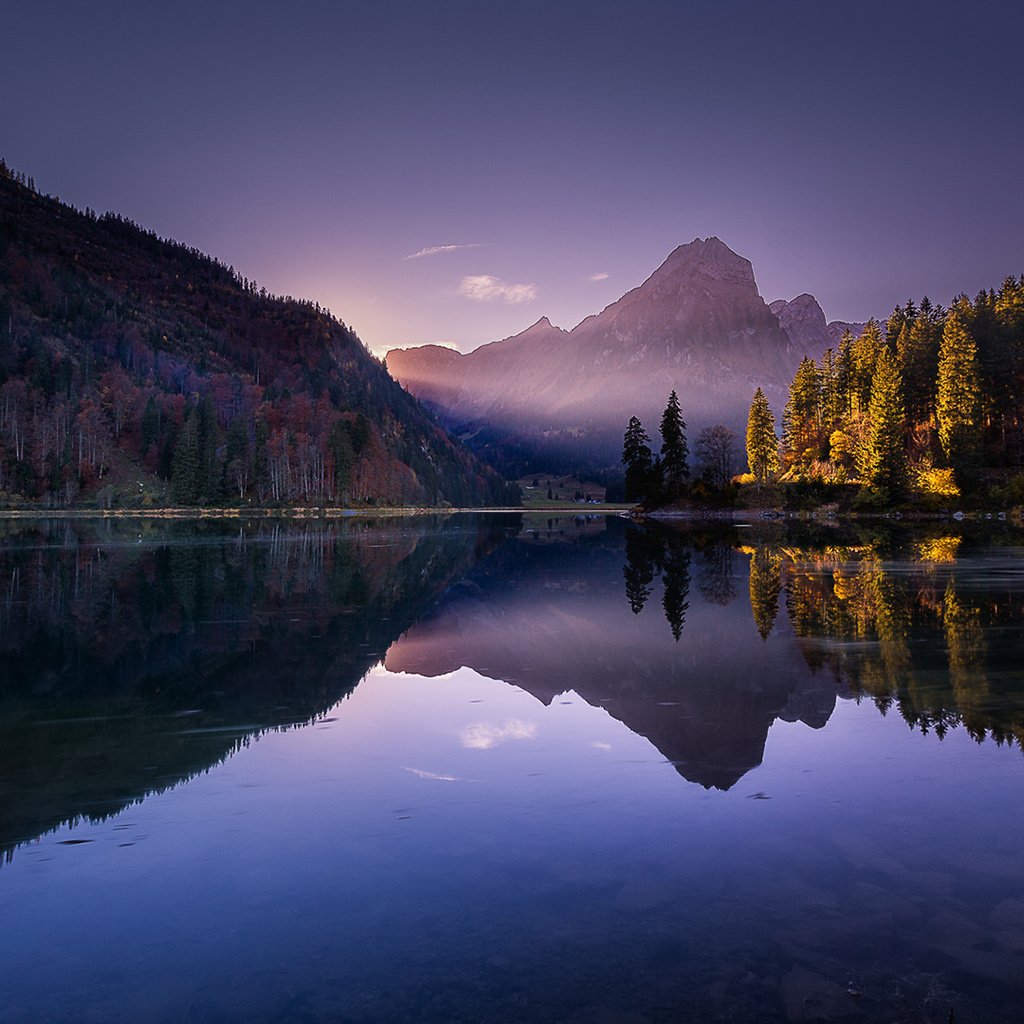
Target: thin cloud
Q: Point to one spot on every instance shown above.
(599, 276)
(434, 250)
(484, 288)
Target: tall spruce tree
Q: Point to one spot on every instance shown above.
(637, 458)
(186, 485)
(675, 469)
(762, 444)
(958, 399)
(801, 419)
(886, 455)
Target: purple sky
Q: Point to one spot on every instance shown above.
(866, 152)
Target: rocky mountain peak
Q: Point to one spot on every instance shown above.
(709, 258)
(803, 320)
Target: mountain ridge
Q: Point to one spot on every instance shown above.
(697, 325)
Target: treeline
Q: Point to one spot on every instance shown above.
(137, 370)
(663, 478)
(930, 406)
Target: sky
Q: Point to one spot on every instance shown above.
(450, 172)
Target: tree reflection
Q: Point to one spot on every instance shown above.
(714, 572)
(110, 633)
(924, 647)
(659, 552)
(765, 584)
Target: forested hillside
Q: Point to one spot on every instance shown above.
(139, 371)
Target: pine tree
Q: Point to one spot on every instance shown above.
(762, 444)
(801, 419)
(886, 455)
(917, 348)
(958, 401)
(675, 470)
(765, 584)
(864, 355)
(637, 458)
(185, 463)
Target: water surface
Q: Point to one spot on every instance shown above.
(508, 769)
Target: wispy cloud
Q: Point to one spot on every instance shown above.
(484, 288)
(484, 735)
(599, 276)
(435, 250)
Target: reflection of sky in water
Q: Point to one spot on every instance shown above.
(444, 845)
(375, 865)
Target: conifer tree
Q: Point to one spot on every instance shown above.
(762, 444)
(801, 419)
(958, 399)
(636, 457)
(185, 463)
(765, 584)
(864, 356)
(675, 470)
(886, 455)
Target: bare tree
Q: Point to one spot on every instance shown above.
(716, 454)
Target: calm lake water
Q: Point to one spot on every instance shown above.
(505, 769)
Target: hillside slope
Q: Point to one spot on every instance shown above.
(138, 369)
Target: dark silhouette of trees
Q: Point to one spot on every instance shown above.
(638, 460)
(675, 469)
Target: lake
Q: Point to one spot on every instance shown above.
(510, 769)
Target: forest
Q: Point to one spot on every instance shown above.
(926, 409)
(923, 412)
(138, 372)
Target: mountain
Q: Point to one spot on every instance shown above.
(804, 321)
(135, 370)
(697, 325)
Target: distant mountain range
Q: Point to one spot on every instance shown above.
(548, 397)
(135, 370)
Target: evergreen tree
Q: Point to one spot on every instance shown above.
(844, 373)
(765, 584)
(864, 356)
(886, 456)
(831, 406)
(150, 424)
(210, 470)
(917, 349)
(675, 470)
(185, 463)
(958, 401)
(676, 579)
(637, 458)
(801, 419)
(762, 444)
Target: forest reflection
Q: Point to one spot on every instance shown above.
(138, 654)
(929, 626)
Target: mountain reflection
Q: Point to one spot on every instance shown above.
(549, 618)
(136, 655)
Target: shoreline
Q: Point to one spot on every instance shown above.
(302, 513)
